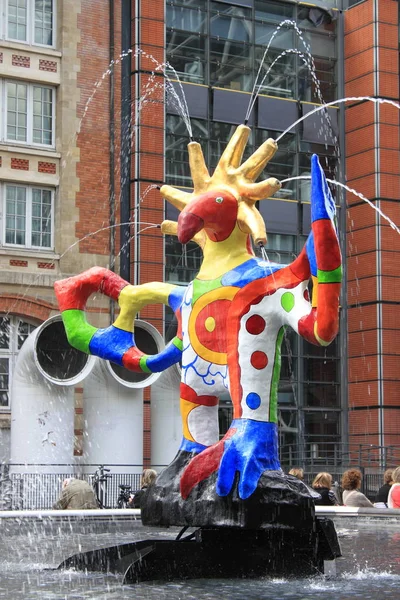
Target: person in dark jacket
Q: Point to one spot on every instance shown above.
(148, 478)
(323, 485)
(297, 472)
(381, 497)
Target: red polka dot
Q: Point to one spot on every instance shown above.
(259, 360)
(255, 324)
(306, 295)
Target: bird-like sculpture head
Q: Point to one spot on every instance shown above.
(226, 200)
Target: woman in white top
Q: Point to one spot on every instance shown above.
(351, 483)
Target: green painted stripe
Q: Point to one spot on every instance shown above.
(201, 287)
(178, 343)
(143, 364)
(79, 331)
(273, 400)
(334, 276)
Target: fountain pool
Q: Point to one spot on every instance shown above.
(32, 546)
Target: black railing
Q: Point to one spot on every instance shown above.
(39, 491)
(33, 490)
(331, 454)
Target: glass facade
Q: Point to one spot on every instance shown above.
(225, 45)
(232, 50)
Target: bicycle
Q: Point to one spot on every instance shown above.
(99, 484)
(125, 495)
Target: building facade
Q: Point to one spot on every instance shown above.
(100, 99)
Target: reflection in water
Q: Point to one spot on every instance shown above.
(29, 550)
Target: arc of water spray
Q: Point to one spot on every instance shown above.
(334, 103)
(352, 191)
(257, 87)
(310, 64)
(180, 102)
(28, 287)
(150, 226)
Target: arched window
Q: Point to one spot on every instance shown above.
(13, 333)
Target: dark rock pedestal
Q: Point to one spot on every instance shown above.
(274, 532)
(278, 500)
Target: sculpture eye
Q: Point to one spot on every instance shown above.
(219, 199)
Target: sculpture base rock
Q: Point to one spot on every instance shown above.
(278, 500)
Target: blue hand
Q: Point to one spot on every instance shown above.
(322, 207)
(322, 203)
(251, 450)
(312, 259)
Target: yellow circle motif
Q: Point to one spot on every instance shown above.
(209, 324)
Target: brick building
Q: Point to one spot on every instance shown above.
(65, 189)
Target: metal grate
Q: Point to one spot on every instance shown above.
(39, 491)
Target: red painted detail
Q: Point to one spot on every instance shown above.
(213, 340)
(300, 267)
(306, 295)
(326, 314)
(73, 293)
(178, 315)
(255, 324)
(203, 465)
(217, 217)
(326, 245)
(306, 327)
(188, 393)
(131, 359)
(112, 285)
(247, 297)
(249, 246)
(188, 225)
(328, 311)
(259, 360)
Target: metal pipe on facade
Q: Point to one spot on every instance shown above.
(344, 404)
(112, 148)
(136, 272)
(126, 134)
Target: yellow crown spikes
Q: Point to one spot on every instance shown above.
(238, 179)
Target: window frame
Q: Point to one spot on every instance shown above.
(29, 115)
(28, 217)
(30, 24)
(12, 351)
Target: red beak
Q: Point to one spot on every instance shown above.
(188, 225)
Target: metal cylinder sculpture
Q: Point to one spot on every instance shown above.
(231, 321)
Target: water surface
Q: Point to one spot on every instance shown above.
(31, 549)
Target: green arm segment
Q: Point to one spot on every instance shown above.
(79, 331)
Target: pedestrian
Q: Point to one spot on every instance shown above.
(323, 485)
(381, 497)
(76, 494)
(148, 478)
(297, 472)
(351, 484)
(394, 493)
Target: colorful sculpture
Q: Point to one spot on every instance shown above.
(231, 317)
